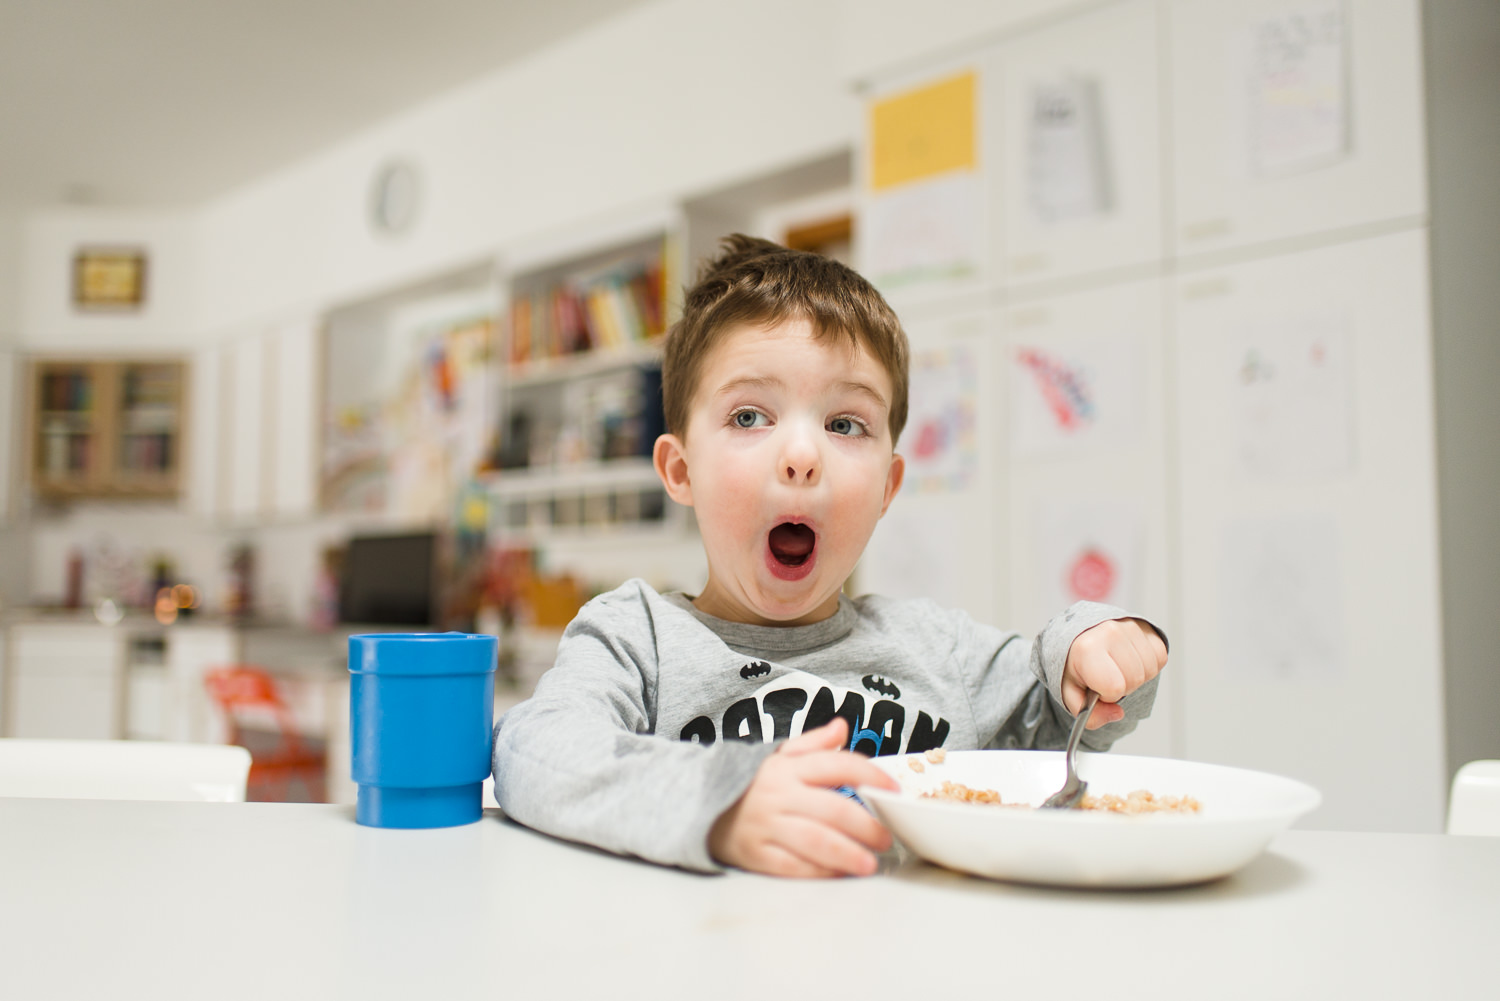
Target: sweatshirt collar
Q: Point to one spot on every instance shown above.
(774, 639)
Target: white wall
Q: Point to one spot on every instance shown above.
(48, 321)
(661, 102)
(878, 36)
(128, 534)
(11, 243)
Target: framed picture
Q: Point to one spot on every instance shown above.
(109, 278)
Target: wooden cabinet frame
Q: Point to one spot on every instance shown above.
(107, 427)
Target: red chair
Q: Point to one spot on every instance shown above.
(279, 758)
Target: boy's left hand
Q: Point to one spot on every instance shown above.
(1113, 658)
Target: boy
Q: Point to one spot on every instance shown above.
(714, 730)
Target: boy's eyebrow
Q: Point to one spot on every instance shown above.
(866, 389)
(772, 382)
(751, 382)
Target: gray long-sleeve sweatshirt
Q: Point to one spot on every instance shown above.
(656, 716)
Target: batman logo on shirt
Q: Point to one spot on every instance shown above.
(759, 669)
(796, 702)
(880, 686)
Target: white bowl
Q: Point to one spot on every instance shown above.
(1241, 812)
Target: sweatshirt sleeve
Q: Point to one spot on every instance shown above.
(579, 759)
(1018, 684)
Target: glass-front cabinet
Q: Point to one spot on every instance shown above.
(106, 428)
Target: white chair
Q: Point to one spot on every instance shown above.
(123, 769)
(1474, 803)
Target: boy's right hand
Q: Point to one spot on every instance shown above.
(791, 822)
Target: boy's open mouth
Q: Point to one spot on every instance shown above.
(792, 545)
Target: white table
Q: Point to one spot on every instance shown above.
(171, 900)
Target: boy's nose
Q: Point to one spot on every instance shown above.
(800, 461)
(806, 474)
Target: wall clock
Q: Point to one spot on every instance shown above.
(394, 197)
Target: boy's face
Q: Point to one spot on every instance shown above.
(788, 463)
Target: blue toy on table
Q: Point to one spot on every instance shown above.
(421, 714)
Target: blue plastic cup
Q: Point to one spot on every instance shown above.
(421, 714)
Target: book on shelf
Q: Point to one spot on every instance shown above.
(611, 308)
(68, 391)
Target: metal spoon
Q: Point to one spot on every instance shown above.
(1072, 791)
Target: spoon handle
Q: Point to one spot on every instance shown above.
(1072, 791)
(1080, 723)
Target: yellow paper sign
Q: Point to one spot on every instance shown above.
(924, 132)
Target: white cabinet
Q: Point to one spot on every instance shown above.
(207, 459)
(1311, 643)
(191, 652)
(1085, 376)
(291, 417)
(1079, 156)
(1274, 135)
(256, 436)
(246, 432)
(77, 680)
(66, 681)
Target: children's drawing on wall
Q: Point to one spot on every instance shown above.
(438, 419)
(1281, 605)
(408, 401)
(1291, 385)
(1089, 552)
(1068, 175)
(1075, 397)
(354, 464)
(923, 221)
(938, 442)
(1296, 86)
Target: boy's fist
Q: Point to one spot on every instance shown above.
(791, 822)
(1113, 658)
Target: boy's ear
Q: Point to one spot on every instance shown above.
(670, 459)
(893, 478)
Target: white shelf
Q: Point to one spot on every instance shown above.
(581, 364)
(635, 535)
(590, 477)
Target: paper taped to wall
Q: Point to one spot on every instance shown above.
(1292, 390)
(1297, 88)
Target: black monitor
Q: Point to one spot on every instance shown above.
(388, 580)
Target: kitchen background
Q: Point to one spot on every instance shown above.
(1200, 292)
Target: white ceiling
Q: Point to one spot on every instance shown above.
(172, 102)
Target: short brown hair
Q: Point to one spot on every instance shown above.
(754, 282)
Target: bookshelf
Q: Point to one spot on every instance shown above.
(605, 303)
(106, 428)
(580, 393)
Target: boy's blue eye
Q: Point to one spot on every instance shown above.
(747, 418)
(846, 426)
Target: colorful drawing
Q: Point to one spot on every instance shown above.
(939, 439)
(1291, 396)
(1076, 395)
(408, 412)
(1087, 551)
(1065, 388)
(1092, 575)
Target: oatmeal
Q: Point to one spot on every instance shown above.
(1138, 802)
